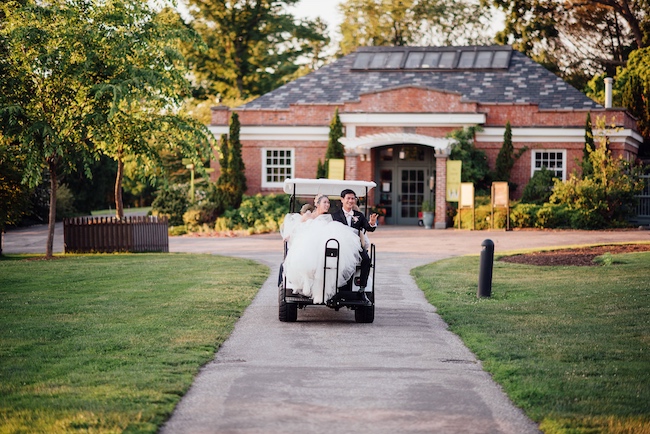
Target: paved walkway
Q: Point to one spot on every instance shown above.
(405, 373)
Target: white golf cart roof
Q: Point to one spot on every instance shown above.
(328, 187)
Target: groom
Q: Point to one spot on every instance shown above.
(356, 220)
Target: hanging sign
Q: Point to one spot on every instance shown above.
(336, 168)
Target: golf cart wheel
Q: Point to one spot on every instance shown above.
(364, 314)
(288, 312)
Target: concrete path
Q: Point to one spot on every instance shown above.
(405, 373)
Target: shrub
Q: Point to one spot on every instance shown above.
(524, 215)
(553, 216)
(606, 198)
(199, 215)
(172, 202)
(539, 188)
(483, 215)
(177, 230)
(64, 203)
(257, 214)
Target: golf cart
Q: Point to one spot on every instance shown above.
(349, 295)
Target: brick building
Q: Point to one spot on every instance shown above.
(397, 105)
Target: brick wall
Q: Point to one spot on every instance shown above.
(412, 100)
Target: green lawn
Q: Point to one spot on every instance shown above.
(569, 345)
(107, 343)
(127, 211)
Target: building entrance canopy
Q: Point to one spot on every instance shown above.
(361, 145)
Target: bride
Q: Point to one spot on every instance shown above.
(306, 236)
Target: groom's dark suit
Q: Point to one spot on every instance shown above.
(358, 222)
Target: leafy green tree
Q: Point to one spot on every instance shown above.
(46, 100)
(634, 84)
(587, 168)
(475, 167)
(143, 78)
(254, 46)
(576, 39)
(14, 195)
(388, 23)
(334, 147)
(96, 192)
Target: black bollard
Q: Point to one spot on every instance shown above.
(485, 269)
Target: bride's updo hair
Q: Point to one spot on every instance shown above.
(318, 199)
(306, 208)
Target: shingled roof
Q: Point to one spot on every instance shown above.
(484, 74)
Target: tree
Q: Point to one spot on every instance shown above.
(634, 84)
(141, 81)
(231, 184)
(14, 195)
(334, 147)
(576, 39)
(475, 167)
(254, 46)
(386, 23)
(587, 168)
(507, 157)
(46, 100)
(321, 172)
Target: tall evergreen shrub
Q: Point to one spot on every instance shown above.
(231, 184)
(334, 148)
(587, 168)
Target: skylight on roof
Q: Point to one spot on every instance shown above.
(434, 58)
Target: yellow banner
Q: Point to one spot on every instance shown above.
(453, 180)
(336, 169)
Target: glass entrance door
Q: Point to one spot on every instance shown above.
(403, 174)
(411, 194)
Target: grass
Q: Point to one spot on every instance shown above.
(127, 211)
(569, 345)
(110, 343)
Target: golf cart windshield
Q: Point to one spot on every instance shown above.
(301, 187)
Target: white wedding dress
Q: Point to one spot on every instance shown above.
(305, 260)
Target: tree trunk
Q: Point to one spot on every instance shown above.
(1, 234)
(52, 214)
(119, 205)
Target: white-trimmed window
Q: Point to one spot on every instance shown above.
(277, 165)
(553, 159)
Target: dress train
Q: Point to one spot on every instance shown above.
(305, 260)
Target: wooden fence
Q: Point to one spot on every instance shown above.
(108, 234)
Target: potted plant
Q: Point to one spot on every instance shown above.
(381, 212)
(427, 214)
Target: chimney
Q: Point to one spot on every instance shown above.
(608, 92)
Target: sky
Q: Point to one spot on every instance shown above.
(328, 11)
(325, 9)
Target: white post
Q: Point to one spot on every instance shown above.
(608, 92)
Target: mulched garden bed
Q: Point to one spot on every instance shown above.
(579, 257)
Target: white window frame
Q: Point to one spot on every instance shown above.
(265, 167)
(533, 156)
